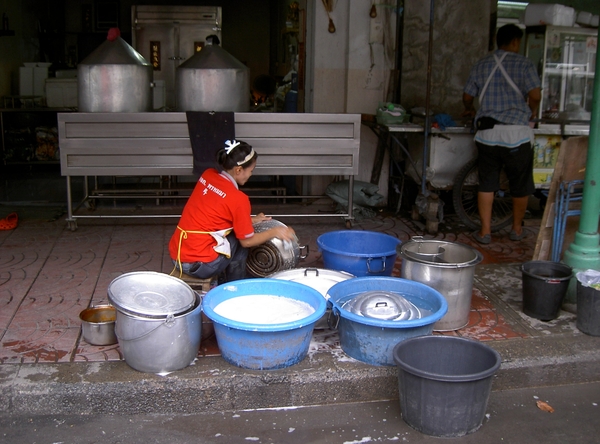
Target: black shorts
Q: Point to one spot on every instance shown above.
(517, 163)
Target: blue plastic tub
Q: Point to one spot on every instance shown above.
(373, 340)
(263, 346)
(361, 253)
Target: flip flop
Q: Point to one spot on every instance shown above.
(513, 236)
(9, 222)
(485, 239)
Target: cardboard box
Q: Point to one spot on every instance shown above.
(545, 151)
(542, 177)
(61, 93)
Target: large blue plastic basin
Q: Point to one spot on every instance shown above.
(263, 346)
(358, 252)
(372, 340)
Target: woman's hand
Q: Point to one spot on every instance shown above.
(283, 233)
(260, 217)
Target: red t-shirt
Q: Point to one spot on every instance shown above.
(215, 204)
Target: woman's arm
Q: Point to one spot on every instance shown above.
(283, 233)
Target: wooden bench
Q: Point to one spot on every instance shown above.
(158, 144)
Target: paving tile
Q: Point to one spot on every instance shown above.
(49, 274)
(93, 353)
(38, 345)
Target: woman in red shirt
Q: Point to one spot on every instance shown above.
(215, 229)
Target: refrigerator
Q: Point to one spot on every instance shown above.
(566, 61)
(169, 35)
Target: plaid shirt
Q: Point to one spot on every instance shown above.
(501, 101)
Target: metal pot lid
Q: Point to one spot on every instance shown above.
(320, 279)
(117, 52)
(439, 253)
(147, 293)
(382, 305)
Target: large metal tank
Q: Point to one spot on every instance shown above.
(114, 78)
(213, 80)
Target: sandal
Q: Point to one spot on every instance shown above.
(513, 236)
(9, 222)
(485, 239)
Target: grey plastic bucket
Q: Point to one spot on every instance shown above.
(449, 267)
(588, 310)
(444, 383)
(545, 285)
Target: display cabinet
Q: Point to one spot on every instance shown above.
(566, 60)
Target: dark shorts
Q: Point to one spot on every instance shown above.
(517, 163)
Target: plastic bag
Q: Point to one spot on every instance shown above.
(391, 114)
(589, 278)
(364, 195)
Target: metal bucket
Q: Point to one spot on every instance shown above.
(98, 324)
(449, 267)
(159, 324)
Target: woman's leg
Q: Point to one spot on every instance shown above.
(205, 270)
(236, 269)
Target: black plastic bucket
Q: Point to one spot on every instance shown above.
(588, 310)
(444, 383)
(545, 285)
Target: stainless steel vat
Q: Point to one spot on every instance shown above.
(114, 78)
(213, 80)
(448, 267)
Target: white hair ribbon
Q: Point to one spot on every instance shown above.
(247, 158)
(230, 145)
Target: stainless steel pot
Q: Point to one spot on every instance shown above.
(98, 325)
(114, 78)
(320, 279)
(383, 305)
(448, 267)
(159, 324)
(274, 255)
(213, 80)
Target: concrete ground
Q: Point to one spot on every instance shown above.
(512, 416)
(49, 374)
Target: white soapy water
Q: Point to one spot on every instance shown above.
(264, 309)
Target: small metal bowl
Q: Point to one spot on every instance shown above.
(98, 325)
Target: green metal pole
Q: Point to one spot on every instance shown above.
(584, 251)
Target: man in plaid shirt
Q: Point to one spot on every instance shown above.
(508, 87)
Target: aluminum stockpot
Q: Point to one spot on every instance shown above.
(449, 267)
(320, 279)
(159, 324)
(98, 324)
(274, 255)
(115, 78)
(212, 80)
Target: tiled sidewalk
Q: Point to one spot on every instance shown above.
(49, 274)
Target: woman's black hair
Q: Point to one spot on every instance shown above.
(236, 156)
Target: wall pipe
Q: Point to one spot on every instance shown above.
(427, 102)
